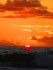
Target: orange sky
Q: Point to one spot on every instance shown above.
(20, 29)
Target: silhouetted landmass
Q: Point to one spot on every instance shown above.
(35, 58)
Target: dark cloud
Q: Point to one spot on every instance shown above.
(23, 3)
(33, 38)
(34, 8)
(48, 41)
(23, 13)
(42, 11)
(17, 4)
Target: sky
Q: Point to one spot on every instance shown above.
(27, 23)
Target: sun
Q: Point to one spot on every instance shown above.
(48, 4)
(3, 1)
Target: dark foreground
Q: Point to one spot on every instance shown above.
(17, 57)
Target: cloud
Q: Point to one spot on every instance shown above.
(23, 3)
(14, 5)
(40, 11)
(29, 13)
(32, 38)
(43, 41)
(6, 43)
(48, 41)
(19, 5)
(25, 9)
